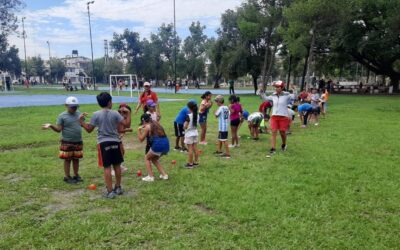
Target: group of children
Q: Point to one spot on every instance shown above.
(278, 109)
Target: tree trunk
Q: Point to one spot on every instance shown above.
(289, 71)
(217, 78)
(271, 61)
(265, 63)
(310, 55)
(303, 79)
(255, 85)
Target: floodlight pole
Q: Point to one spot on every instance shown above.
(24, 36)
(175, 45)
(91, 43)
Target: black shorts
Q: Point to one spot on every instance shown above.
(223, 135)
(235, 123)
(110, 153)
(179, 130)
(316, 110)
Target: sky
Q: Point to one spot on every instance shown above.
(64, 23)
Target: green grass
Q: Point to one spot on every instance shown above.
(336, 187)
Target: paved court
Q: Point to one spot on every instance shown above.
(47, 100)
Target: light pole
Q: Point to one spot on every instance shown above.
(24, 36)
(175, 45)
(48, 44)
(91, 43)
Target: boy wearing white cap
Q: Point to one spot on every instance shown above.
(71, 148)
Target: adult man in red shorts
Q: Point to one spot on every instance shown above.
(279, 118)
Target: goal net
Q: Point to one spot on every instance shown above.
(127, 82)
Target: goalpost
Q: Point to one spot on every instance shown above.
(117, 83)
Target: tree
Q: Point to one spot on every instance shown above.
(57, 69)
(194, 48)
(8, 56)
(103, 70)
(36, 67)
(9, 61)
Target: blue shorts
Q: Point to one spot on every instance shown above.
(160, 145)
(202, 118)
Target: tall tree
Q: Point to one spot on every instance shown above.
(194, 48)
(57, 69)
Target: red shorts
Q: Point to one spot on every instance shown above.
(280, 123)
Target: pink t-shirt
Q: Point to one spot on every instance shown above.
(236, 110)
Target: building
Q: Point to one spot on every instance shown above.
(76, 68)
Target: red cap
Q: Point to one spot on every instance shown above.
(278, 84)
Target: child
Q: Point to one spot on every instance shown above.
(305, 110)
(291, 116)
(151, 110)
(159, 146)
(235, 113)
(205, 106)
(254, 121)
(265, 109)
(110, 123)
(71, 148)
(223, 122)
(191, 135)
(179, 130)
(122, 112)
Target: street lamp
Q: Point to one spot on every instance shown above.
(175, 45)
(91, 42)
(24, 36)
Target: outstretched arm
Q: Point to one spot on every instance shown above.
(55, 128)
(88, 127)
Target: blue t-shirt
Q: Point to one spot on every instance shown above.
(181, 117)
(305, 107)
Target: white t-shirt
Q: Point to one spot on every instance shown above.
(191, 130)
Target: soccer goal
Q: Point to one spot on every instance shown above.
(124, 82)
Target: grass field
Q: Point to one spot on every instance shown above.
(337, 187)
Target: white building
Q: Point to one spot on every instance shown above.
(75, 67)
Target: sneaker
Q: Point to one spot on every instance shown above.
(226, 156)
(203, 143)
(195, 164)
(164, 177)
(217, 153)
(78, 178)
(272, 151)
(109, 195)
(148, 178)
(316, 124)
(188, 166)
(284, 147)
(231, 146)
(118, 190)
(303, 126)
(237, 145)
(123, 169)
(70, 180)
(177, 148)
(184, 150)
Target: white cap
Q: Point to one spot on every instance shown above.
(72, 101)
(146, 84)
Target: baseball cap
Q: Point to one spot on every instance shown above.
(72, 101)
(146, 84)
(151, 103)
(278, 84)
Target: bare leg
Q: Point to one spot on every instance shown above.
(226, 147)
(283, 136)
(177, 142)
(196, 153)
(219, 146)
(273, 139)
(75, 164)
(182, 142)
(67, 166)
(156, 162)
(118, 176)
(108, 178)
(256, 131)
(203, 132)
(190, 153)
(147, 160)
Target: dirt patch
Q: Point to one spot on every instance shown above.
(14, 178)
(61, 200)
(129, 145)
(203, 208)
(28, 146)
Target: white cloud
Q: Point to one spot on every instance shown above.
(142, 16)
